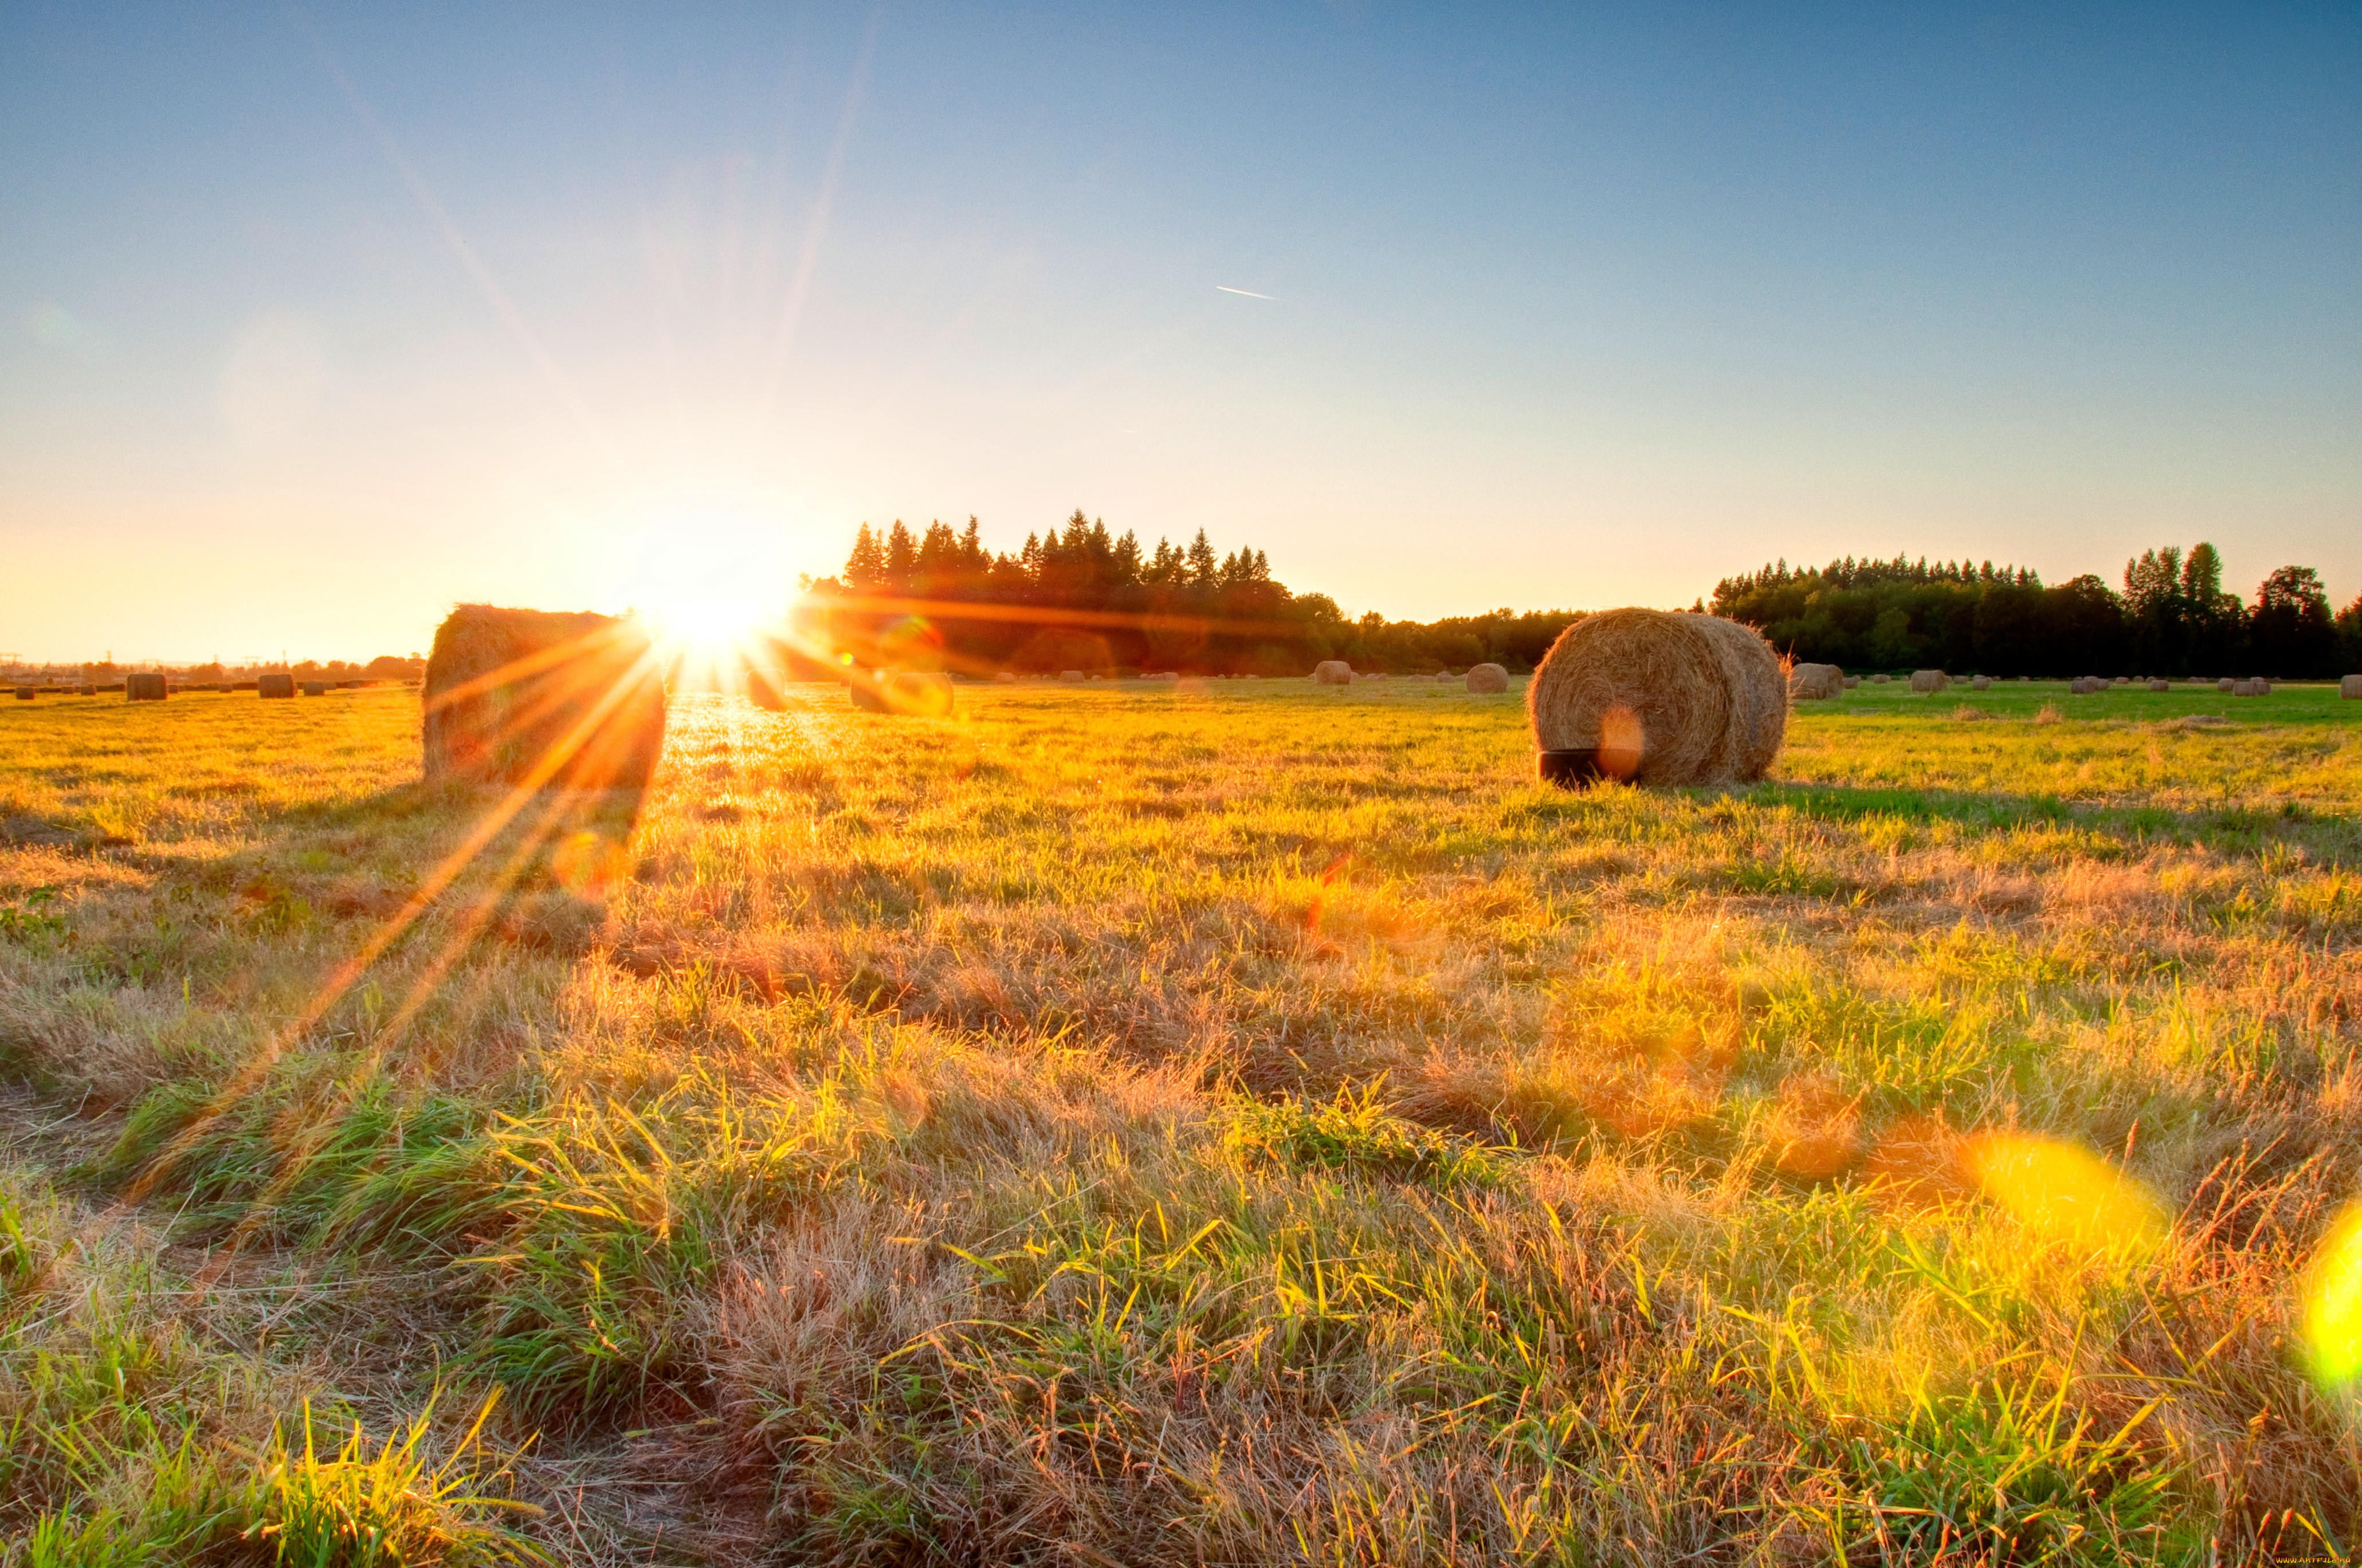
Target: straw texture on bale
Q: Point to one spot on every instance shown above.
(1485, 679)
(1333, 672)
(143, 687)
(1759, 695)
(281, 684)
(1703, 700)
(2349, 685)
(1815, 682)
(573, 701)
(1929, 681)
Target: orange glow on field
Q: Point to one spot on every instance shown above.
(2332, 1304)
(2063, 1193)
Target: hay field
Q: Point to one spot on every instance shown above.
(1241, 1122)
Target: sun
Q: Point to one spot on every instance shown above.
(711, 584)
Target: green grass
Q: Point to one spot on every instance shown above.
(1243, 1124)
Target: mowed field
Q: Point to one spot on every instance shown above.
(1241, 1124)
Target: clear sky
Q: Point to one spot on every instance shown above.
(315, 321)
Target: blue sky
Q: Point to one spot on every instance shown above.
(313, 322)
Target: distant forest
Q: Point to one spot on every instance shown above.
(2173, 617)
(1082, 598)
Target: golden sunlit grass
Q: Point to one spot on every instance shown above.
(1235, 1122)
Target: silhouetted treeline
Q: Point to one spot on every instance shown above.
(1082, 598)
(2173, 617)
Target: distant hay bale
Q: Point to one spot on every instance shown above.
(2259, 687)
(1486, 679)
(1070, 674)
(1881, 679)
(2349, 685)
(1852, 681)
(2086, 686)
(539, 697)
(1006, 677)
(2121, 680)
(1815, 682)
(1167, 677)
(2160, 686)
(1665, 698)
(2225, 684)
(278, 684)
(143, 686)
(1333, 672)
(27, 693)
(315, 688)
(1981, 683)
(1929, 681)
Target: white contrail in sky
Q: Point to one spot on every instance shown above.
(1249, 293)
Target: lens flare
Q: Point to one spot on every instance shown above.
(2066, 1195)
(2333, 1305)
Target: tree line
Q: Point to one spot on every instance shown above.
(2173, 617)
(1081, 597)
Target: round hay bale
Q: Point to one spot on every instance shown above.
(1333, 672)
(2225, 685)
(765, 688)
(2160, 686)
(541, 697)
(143, 686)
(2349, 685)
(2121, 680)
(315, 687)
(1759, 696)
(1006, 677)
(1070, 674)
(1660, 697)
(1164, 677)
(1881, 679)
(1486, 679)
(1815, 682)
(1852, 681)
(276, 684)
(867, 690)
(1981, 683)
(1929, 681)
(922, 693)
(25, 693)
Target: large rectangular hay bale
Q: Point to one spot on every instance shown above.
(574, 700)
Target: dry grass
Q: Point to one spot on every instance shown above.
(1256, 1126)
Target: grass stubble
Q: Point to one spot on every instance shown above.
(1237, 1123)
